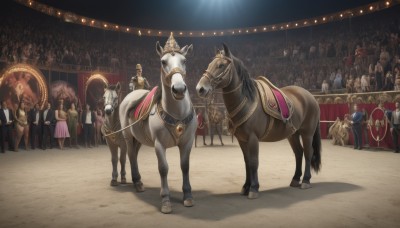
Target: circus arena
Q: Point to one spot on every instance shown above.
(217, 113)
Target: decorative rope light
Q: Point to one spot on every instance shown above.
(79, 19)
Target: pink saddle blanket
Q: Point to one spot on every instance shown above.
(144, 106)
(283, 107)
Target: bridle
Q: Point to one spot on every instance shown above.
(111, 97)
(215, 80)
(168, 75)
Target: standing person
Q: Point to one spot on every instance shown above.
(99, 123)
(395, 127)
(325, 87)
(379, 76)
(88, 120)
(138, 81)
(201, 127)
(365, 126)
(61, 131)
(356, 121)
(72, 121)
(21, 125)
(35, 130)
(48, 121)
(7, 119)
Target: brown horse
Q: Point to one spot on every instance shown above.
(251, 124)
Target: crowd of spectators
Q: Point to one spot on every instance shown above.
(353, 55)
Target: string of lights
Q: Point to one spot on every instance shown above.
(91, 22)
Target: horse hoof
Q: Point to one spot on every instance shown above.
(139, 187)
(295, 184)
(166, 207)
(252, 195)
(188, 202)
(305, 186)
(123, 180)
(114, 183)
(244, 191)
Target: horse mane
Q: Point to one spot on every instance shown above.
(248, 87)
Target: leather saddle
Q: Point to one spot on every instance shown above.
(274, 102)
(142, 110)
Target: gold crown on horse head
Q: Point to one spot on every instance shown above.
(171, 45)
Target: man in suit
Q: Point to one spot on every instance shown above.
(48, 122)
(395, 127)
(88, 121)
(35, 128)
(7, 119)
(356, 121)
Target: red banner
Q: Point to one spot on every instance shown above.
(329, 112)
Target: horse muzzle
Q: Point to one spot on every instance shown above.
(178, 91)
(178, 87)
(202, 89)
(108, 109)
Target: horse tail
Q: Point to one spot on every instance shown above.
(316, 144)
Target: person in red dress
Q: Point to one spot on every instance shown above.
(201, 127)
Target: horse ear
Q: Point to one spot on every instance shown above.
(159, 49)
(118, 87)
(186, 49)
(216, 50)
(226, 50)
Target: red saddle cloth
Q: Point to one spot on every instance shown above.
(274, 101)
(144, 106)
(283, 107)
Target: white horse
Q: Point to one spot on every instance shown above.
(171, 122)
(113, 124)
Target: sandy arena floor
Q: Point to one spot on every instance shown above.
(70, 188)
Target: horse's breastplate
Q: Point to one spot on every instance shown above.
(175, 127)
(112, 138)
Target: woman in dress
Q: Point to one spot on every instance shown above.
(72, 121)
(99, 123)
(61, 132)
(22, 127)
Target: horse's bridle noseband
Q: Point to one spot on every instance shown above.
(114, 104)
(168, 76)
(215, 80)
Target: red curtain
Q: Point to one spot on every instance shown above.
(329, 112)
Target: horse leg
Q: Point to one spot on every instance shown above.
(218, 129)
(186, 188)
(246, 187)
(251, 148)
(308, 152)
(166, 207)
(294, 141)
(122, 161)
(212, 134)
(133, 146)
(195, 140)
(114, 161)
